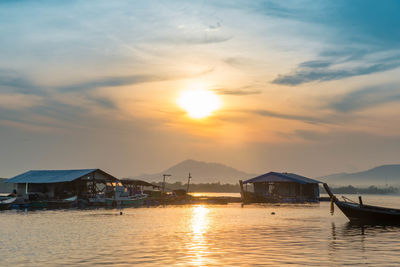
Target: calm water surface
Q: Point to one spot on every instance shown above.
(225, 235)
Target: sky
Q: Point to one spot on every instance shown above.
(311, 87)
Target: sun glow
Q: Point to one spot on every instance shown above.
(199, 104)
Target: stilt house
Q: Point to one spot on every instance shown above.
(58, 184)
(280, 187)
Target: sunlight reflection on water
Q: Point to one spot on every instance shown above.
(199, 224)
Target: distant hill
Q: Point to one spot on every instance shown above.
(5, 188)
(202, 172)
(379, 176)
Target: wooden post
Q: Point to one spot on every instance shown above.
(116, 186)
(360, 199)
(26, 192)
(93, 186)
(328, 190)
(189, 177)
(163, 186)
(241, 190)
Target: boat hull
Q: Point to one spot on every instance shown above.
(60, 204)
(125, 202)
(6, 204)
(33, 205)
(367, 214)
(45, 204)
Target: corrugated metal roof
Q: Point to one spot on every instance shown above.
(137, 182)
(49, 176)
(281, 177)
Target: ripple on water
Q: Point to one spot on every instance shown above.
(194, 235)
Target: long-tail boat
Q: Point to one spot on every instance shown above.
(6, 203)
(361, 213)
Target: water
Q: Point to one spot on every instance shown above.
(225, 235)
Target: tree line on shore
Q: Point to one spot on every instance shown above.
(364, 190)
(203, 187)
(235, 188)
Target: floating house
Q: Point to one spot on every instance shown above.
(134, 184)
(62, 184)
(280, 187)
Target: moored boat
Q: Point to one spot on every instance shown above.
(62, 203)
(365, 214)
(129, 201)
(119, 197)
(6, 203)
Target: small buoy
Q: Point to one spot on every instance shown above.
(272, 213)
(120, 213)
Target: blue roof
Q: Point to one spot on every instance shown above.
(49, 176)
(281, 177)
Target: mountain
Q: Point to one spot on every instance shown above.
(379, 176)
(201, 172)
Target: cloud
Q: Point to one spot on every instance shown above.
(115, 81)
(196, 34)
(239, 62)
(103, 102)
(13, 82)
(200, 38)
(272, 114)
(359, 21)
(66, 106)
(315, 64)
(110, 82)
(310, 72)
(348, 31)
(326, 118)
(310, 135)
(306, 135)
(19, 101)
(214, 27)
(245, 90)
(366, 98)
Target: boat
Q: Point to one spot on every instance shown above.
(35, 202)
(62, 203)
(6, 203)
(120, 197)
(128, 201)
(364, 214)
(98, 201)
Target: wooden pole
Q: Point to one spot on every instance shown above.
(93, 186)
(241, 190)
(163, 186)
(115, 200)
(328, 190)
(189, 177)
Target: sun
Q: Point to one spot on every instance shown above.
(199, 103)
